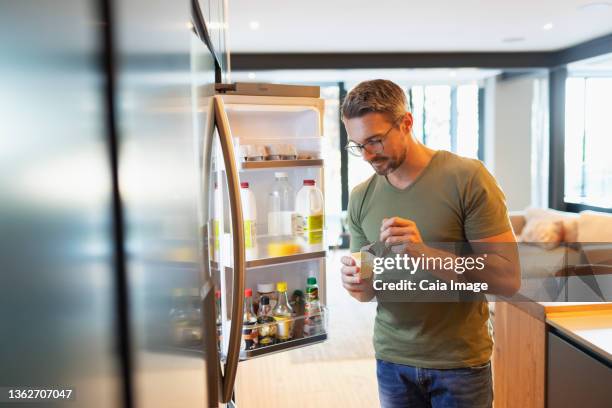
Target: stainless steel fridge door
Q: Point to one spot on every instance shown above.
(58, 279)
(171, 295)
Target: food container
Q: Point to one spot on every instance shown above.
(365, 261)
(282, 152)
(253, 152)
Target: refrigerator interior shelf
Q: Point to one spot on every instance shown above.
(272, 164)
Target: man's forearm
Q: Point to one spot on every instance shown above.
(501, 273)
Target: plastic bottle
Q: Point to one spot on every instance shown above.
(281, 206)
(309, 208)
(249, 210)
(313, 322)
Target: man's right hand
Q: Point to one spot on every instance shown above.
(360, 289)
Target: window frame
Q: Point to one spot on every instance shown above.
(557, 94)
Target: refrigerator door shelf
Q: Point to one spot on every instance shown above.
(263, 89)
(279, 260)
(299, 325)
(277, 164)
(288, 345)
(288, 148)
(256, 263)
(276, 250)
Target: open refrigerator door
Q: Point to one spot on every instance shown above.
(269, 207)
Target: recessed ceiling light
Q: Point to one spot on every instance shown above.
(189, 25)
(547, 26)
(254, 25)
(513, 39)
(252, 75)
(595, 6)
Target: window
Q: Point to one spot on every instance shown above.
(588, 141)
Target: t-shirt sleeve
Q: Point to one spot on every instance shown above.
(358, 237)
(485, 208)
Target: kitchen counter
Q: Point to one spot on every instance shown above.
(589, 329)
(541, 310)
(524, 332)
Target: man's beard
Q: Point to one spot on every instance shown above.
(391, 164)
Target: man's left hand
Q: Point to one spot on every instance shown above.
(396, 230)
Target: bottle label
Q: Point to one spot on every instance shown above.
(310, 226)
(249, 337)
(249, 234)
(313, 229)
(297, 224)
(314, 222)
(216, 234)
(312, 294)
(267, 330)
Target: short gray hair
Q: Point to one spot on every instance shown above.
(378, 95)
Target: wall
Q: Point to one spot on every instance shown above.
(508, 137)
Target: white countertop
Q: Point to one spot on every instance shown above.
(592, 329)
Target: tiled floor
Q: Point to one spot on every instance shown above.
(337, 373)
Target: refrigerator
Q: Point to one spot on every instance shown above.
(99, 216)
(257, 133)
(123, 251)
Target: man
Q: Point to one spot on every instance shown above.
(428, 354)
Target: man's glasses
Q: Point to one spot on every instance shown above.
(374, 146)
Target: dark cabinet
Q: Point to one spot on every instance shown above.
(575, 378)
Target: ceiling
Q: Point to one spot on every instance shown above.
(410, 26)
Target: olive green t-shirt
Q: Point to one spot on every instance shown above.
(454, 199)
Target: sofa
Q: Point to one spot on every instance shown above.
(564, 256)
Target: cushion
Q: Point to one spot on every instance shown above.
(543, 232)
(594, 226)
(569, 220)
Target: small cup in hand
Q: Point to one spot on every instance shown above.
(365, 268)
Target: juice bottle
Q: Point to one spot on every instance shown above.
(309, 209)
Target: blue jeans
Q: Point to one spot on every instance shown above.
(404, 386)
